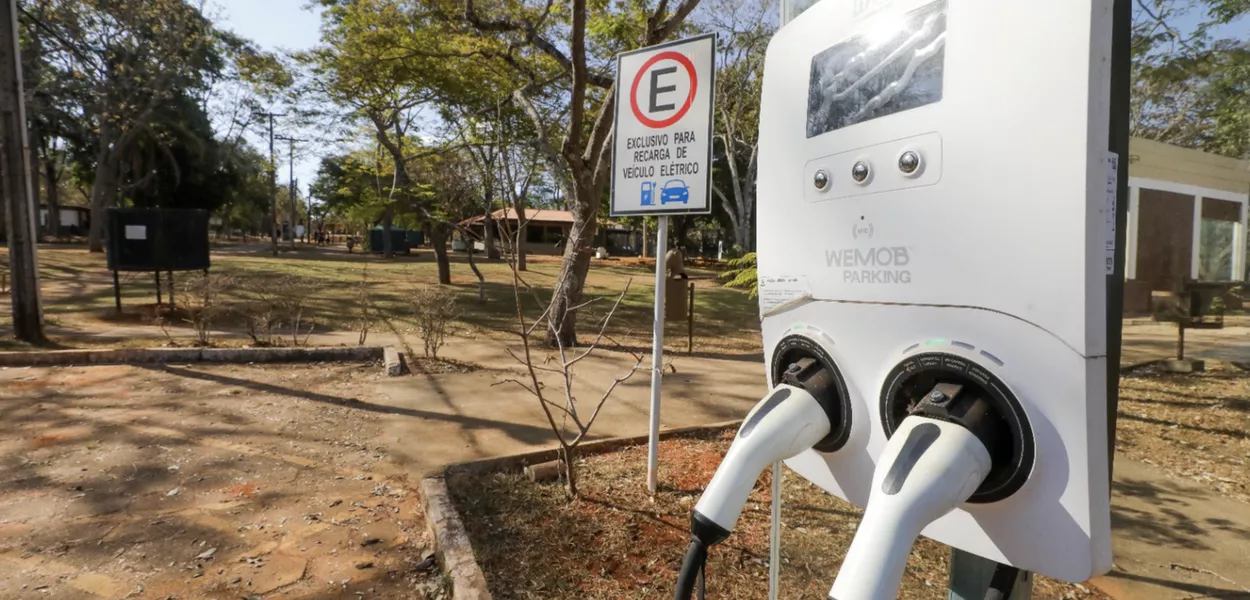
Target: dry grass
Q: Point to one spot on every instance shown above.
(78, 294)
(616, 543)
(1195, 427)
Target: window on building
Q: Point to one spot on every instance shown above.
(1217, 242)
(535, 234)
(543, 234)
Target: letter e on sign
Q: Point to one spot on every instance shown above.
(662, 145)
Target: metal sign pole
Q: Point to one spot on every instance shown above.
(662, 163)
(774, 536)
(657, 355)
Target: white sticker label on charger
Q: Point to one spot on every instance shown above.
(136, 232)
(780, 292)
(1113, 178)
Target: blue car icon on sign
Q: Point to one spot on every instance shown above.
(675, 190)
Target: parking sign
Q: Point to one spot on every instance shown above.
(662, 150)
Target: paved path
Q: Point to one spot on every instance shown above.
(1174, 540)
(446, 418)
(1143, 340)
(1150, 341)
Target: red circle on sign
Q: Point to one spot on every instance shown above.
(633, 90)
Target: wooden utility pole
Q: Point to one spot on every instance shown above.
(273, 184)
(294, 211)
(14, 168)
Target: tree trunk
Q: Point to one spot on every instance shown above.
(26, 304)
(492, 249)
(568, 468)
(576, 264)
(521, 233)
(54, 195)
(438, 236)
(743, 237)
(36, 142)
(481, 279)
(103, 196)
(678, 241)
(388, 218)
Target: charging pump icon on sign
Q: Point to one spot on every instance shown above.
(675, 190)
(648, 193)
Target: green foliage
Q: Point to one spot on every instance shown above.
(1189, 88)
(743, 274)
(120, 93)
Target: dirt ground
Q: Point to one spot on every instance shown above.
(203, 482)
(1194, 427)
(616, 543)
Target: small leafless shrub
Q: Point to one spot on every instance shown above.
(205, 301)
(294, 293)
(365, 312)
(433, 313)
(571, 410)
(260, 309)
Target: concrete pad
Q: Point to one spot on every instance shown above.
(1174, 540)
(1186, 365)
(1145, 341)
(441, 419)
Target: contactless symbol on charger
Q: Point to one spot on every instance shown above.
(862, 229)
(654, 71)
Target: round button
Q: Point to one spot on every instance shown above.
(860, 172)
(909, 162)
(820, 179)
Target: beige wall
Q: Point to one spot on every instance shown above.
(1172, 191)
(1155, 160)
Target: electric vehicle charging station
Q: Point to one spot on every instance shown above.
(936, 231)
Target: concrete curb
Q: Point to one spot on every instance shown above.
(139, 356)
(524, 459)
(393, 362)
(451, 540)
(1138, 365)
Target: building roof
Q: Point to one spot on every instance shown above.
(1149, 159)
(531, 216)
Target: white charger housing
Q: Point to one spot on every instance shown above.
(933, 202)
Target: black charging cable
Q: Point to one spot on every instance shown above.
(692, 572)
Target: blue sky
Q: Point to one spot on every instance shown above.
(275, 25)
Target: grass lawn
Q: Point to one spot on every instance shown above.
(78, 294)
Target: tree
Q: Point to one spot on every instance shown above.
(744, 28)
(529, 42)
(1188, 88)
(365, 63)
(133, 59)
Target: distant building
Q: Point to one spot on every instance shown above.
(74, 220)
(1186, 220)
(546, 230)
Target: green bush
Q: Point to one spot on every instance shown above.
(742, 274)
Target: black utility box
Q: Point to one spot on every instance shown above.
(157, 239)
